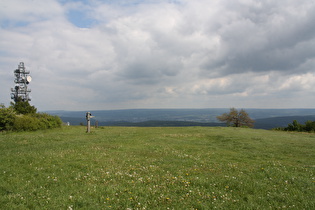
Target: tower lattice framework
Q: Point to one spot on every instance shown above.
(22, 79)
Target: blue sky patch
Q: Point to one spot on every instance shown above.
(12, 24)
(80, 19)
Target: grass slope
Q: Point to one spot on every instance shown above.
(157, 168)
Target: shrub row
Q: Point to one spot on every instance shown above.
(11, 121)
(309, 126)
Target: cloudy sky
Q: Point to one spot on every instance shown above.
(121, 54)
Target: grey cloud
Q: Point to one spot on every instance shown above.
(164, 53)
(266, 39)
(22, 13)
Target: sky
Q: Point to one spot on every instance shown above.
(130, 54)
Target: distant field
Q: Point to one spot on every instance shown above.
(157, 168)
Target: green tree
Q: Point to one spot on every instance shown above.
(310, 126)
(23, 107)
(295, 126)
(236, 118)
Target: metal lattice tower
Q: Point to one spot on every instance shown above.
(22, 79)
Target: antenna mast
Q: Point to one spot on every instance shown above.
(22, 79)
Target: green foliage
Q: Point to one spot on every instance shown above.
(23, 107)
(26, 123)
(10, 120)
(38, 121)
(48, 121)
(157, 168)
(7, 117)
(309, 126)
(236, 118)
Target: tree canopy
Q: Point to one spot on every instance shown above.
(23, 107)
(236, 118)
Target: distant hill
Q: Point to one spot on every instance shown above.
(265, 118)
(140, 115)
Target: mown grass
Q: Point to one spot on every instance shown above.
(157, 168)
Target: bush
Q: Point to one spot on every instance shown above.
(38, 121)
(295, 126)
(48, 121)
(7, 117)
(9, 120)
(26, 123)
(309, 126)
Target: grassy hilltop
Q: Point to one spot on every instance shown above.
(157, 168)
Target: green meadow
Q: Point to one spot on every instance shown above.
(157, 168)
